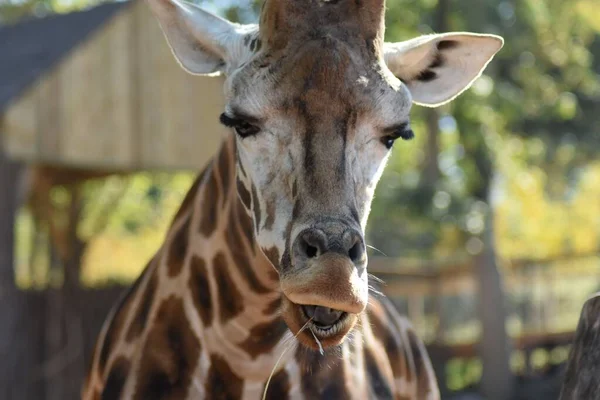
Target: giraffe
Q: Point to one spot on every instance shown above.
(260, 289)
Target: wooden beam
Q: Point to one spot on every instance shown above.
(581, 380)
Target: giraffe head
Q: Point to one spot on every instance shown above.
(316, 99)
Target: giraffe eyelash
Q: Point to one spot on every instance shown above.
(406, 134)
(228, 121)
(401, 131)
(241, 125)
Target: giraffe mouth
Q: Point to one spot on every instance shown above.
(323, 321)
(317, 327)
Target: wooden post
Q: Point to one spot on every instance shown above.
(582, 376)
(495, 347)
(21, 326)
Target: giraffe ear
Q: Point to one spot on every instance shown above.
(202, 42)
(437, 68)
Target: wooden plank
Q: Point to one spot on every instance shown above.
(207, 132)
(121, 111)
(83, 102)
(48, 129)
(176, 108)
(150, 41)
(120, 100)
(19, 127)
(94, 102)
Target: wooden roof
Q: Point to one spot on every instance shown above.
(117, 100)
(34, 46)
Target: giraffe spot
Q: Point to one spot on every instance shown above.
(309, 380)
(178, 249)
(264, 337)
(273, 307)
(256, 207)
(230, 299)
(380, 387)
(323, 376)
(422, 372)
(239, 164)
(116, 379)
(335, 385)
(116, 325)
(222, 383)
(242, 260)
(279, 386)
(224, 172)
(245, 225)
(384, 330)
(270, 220)
(169, 355)
(141, 316)
(208, 223)
(200, 288)
(272, 255)
(244, 194)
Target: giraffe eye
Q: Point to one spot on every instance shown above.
(388, 141)
(241, 126)
(245, 129)
(401, 131)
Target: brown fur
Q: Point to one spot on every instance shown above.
(222, 382)
(200, 290)
(169, 355)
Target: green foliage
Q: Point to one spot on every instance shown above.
(537, 96)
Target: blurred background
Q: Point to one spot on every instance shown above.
(485, 228)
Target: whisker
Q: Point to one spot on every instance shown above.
(375, 291)
(291, 344)
(318, 343)
(376, 279)
(376, 249)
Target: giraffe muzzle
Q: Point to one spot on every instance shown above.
(323, 297)
(330, 281)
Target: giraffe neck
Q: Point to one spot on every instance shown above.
(232, 284)
(203, 321)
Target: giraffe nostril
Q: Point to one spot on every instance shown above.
(356, 252)
(310, 244)
(311, 251)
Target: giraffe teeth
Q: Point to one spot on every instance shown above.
(331, 331)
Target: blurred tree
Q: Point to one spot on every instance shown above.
(539, 89)
(533, 106)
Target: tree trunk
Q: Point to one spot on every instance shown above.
(496, 381)
(431, 171)
(20, 312)
(583, 367)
